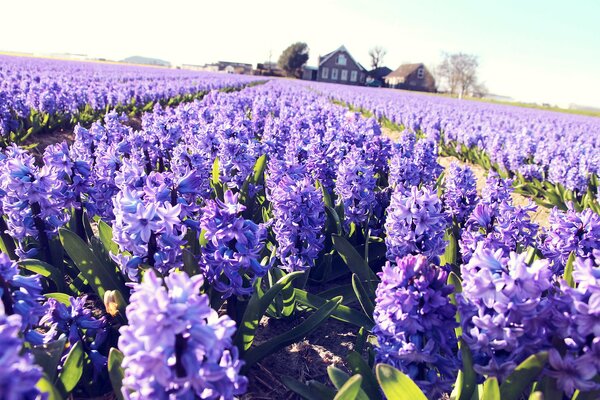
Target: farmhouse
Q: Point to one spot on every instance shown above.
(411, 77)
(340, 67)
(376, 77)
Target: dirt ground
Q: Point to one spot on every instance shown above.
(306, 360)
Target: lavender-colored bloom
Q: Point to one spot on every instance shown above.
(147, 223)
(578, 326)
(230, 260)
(414, 164)
(21, 295)
(504, 309)
(18, 373)
(499, 226)
(35, 201)
(355, 187)
(415, 224)
(570, 231)
(496, 189)
(77, 323)
(415, 323)
(460, 193)
(299, 218)
(175, 345)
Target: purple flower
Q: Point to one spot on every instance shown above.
(230, 260)
(21, 295)
(355, 188)
(78, 324)
(299, 219)
(18, 373)
(415, 323)
(570, 231)
(577, 316)
(175, 345)
(415, 224)
(460, 193)
(504, 309)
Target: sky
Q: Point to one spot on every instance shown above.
(541, 51)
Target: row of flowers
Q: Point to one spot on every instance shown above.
(141, 261)
(535, 147)
(43, 94)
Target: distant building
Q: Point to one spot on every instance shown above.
(411, 77)
(268, 69)
(310, 73)
(376, 77)
(234, 67)
(194, 67)
(340, 67)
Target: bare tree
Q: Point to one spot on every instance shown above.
(377, 53)
(459, 73)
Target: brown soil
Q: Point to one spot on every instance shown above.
(305, 360)
(43, 140)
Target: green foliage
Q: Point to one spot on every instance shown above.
(396, 385)
(309, 325)
(293, 58)
(115, 371)
(72, 369)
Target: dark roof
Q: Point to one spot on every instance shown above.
(404, 70)
(380, 72)
(327, 56)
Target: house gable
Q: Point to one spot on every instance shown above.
(339, 66)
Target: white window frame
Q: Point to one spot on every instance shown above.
(353, 76)
(334, 73)
(344, 75)
(341, 59)
(421, 73)
(325, 73)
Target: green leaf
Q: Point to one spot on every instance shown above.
(106, 237)
(352, 258)
(46, 270)
(302, 390)
(360, 366)
(550, 389)
(99, 276)
(363, 297)
(396, 385)
(45, 386)
(72, 369)
(60, 297)
(491, 390)
(259, 169)
(323, 391)
(468, 374)
(48, 356)
(310, 324)
(215, 172)
(350, 389)
(115, 371)
(450, 255)
(284, 303)
(190, 263)
(256, 308)
(523, 376)
(337, 376)
(341, 313)
(568, 274)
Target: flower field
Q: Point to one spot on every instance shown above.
(42, 95)
(551, 156)
(144, 263)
